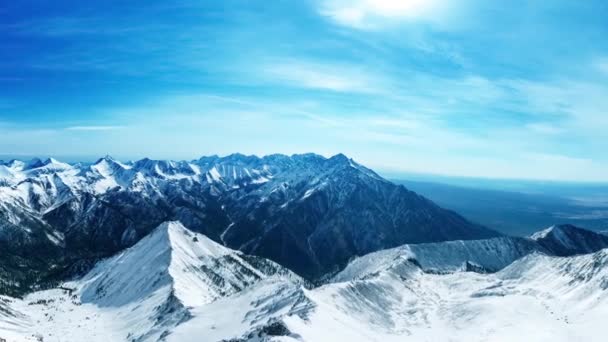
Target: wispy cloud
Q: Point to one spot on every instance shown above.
(339, 77)
(94, 128)
(374, 14)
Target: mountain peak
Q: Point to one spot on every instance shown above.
(169, 251)
(194, 268)
(182, 238)
(49, 163)
(51, 160)
(109, 162)
(566, 240)
(53, 163)
(339, 158)
(555, 229)
(107, 158)
(240, 158)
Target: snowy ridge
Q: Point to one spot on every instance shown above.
(145, 291)
(490, 255)
(541, 297)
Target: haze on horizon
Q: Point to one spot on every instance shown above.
(452, 87)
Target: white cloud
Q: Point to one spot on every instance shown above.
(372, 14)
(93, 128)
(323, 76)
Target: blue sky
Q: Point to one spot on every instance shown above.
(515, 89)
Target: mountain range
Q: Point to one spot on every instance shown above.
(306, 212)
(278, 248)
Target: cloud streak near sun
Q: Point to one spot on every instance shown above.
(375, 14)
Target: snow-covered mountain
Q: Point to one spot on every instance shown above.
(177, 285)
(309, 213)
(537, 298)
(566, 240)
(144, 292)
(101, 252)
